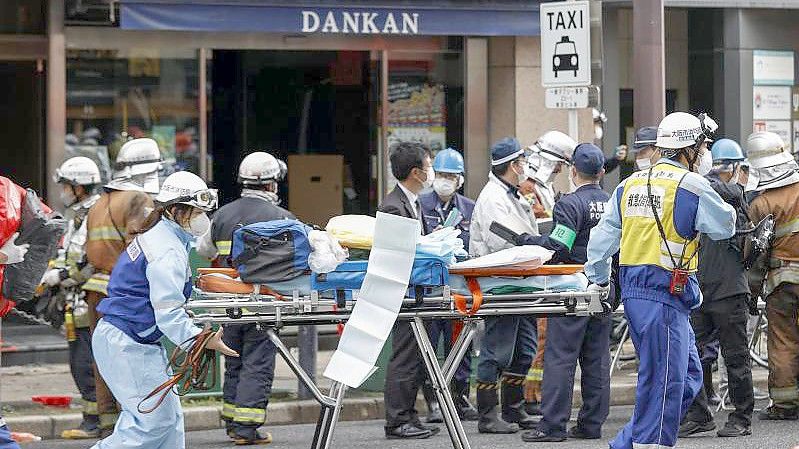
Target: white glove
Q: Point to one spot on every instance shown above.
(601, 305)
(52, 277)
(14, 254)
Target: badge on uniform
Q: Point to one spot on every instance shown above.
(134, 250)
(679, 279)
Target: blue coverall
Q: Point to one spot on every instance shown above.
(670, 373)
(148, 287)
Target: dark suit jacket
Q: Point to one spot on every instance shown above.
(397, 203)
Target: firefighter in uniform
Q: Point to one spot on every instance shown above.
(510, 341)
(653, 220)
(248, 378)
(570, 339)
(117, 213)
(778, 185)
(78, 178)
(444, 206)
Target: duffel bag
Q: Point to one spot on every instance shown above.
(426, 272)
(271, 251)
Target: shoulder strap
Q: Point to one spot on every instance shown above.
(683, 262)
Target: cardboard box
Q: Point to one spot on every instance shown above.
(316, 187)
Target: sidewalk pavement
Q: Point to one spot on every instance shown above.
(19, 383)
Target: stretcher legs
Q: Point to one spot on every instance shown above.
(448, 410)
(459, 348)
(331, 404)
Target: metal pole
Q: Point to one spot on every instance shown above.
(574, 125)
(649, 79)
(307, 342)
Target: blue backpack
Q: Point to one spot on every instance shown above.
(271, 251)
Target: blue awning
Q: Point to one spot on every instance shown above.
(397, 18)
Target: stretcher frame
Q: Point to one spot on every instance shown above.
(273, 314)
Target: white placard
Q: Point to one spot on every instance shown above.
(780, 127)
(566, 97)
(565, 44)
(773, 68)
(375, 312)
(771, 103)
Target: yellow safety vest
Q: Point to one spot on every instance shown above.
(641, 242)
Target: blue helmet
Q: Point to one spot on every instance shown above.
(727, 150)
(448, 161)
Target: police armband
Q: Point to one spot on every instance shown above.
(564, 235)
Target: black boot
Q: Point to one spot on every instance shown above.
(433, 407)
(487, 401)
(466, 411)
(513, 402)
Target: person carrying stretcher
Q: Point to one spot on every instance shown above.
(248, 379)
(572, 338)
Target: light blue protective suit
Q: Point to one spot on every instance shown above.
(148, 286)
(670, 373)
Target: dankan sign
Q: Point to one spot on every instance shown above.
(346, 22)
(228, 16)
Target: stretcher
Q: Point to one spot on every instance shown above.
(469, 297)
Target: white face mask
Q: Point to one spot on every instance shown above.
(199, 225)
(705, 163)
(520, 177)
(67, 198)
(431, 176)
(445, 187)
(643, 163)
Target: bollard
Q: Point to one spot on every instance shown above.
(307, 343)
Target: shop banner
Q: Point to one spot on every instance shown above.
(771, 103)
(231, 16)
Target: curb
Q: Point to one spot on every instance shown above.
(280, 413)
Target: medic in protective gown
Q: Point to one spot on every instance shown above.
(146, 292)
(653, 257)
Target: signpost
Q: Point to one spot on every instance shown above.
(566, 56)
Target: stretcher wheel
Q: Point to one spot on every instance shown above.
(234, 312)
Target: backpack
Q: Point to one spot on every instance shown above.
(271, 251)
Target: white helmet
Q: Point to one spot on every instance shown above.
(556, 146)
(187, 188)
(775, 166)
(137, 166)
(260, 168)
(78, 171)
(680, 130)
(138, 157)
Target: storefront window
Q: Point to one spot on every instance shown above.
(22, 17)
(425, 100)
(114, 95)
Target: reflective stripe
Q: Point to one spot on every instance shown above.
(228, 410)
(89, 407)
(249, 415)
(792, 227)
(223, 246)
(106, 233)
(108, 420)
(784, 394)
(96, 285)
(650, 446)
